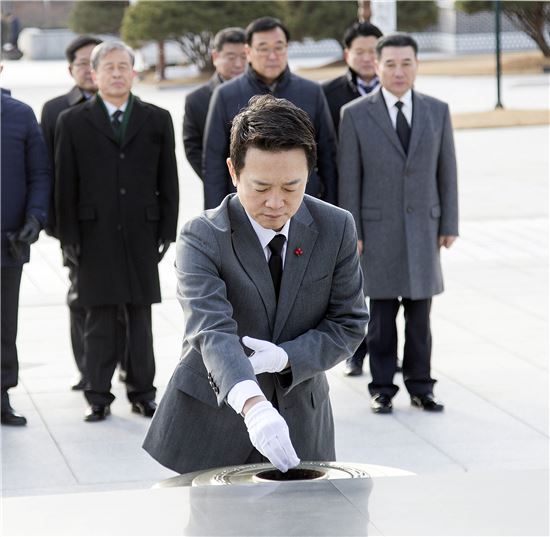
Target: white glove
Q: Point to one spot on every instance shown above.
(267, 357)
(269, 434)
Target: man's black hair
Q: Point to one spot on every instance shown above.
(271, 124)
(396, 40)
(76, 44)
(229, 35)
(264, 24)
(361, 29)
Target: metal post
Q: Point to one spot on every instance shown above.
(497, 51)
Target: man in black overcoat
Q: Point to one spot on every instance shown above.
(116, 197)
(229, 60)
(360, 79)
(78, 54)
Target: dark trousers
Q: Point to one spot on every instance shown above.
(382, 342)
(102, 335)
(77, 316)
(11, 282)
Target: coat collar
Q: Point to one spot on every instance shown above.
(281, 82)
(351, 79)
(421, 117)
(303, 235)
(251, 256)
(379, 112)
(248, 250)
(75, 96)
(137, 120)
(99, 119)
(215, 81)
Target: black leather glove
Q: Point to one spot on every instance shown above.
(72, 252)
(15, 246)
(30, 230)
(163, 248)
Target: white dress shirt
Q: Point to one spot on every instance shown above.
(246, 389)
(111, 108)
(407, 107)
(265, 236)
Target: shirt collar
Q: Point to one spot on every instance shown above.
(266, 235)
(391, 99)
(111, 108)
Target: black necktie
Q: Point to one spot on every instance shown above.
(276, 261)
(402, 127)
(115, 121)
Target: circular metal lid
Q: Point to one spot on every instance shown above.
(267, 473)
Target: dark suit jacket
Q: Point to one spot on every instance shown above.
(226, 292)
(25, 172)
(116, 201)
(48, 120)
(338, 92)
(227, 101)
(194, 121)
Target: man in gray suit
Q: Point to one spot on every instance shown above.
(280, 270)
(397, 171)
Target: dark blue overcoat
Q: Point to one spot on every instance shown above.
(25, 168)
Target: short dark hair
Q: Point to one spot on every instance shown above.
(229, 35)
(396, 40)
(361, 29)
(264, 24)
(80, 42)
(271, 124)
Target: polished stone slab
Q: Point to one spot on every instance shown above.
(488, 503)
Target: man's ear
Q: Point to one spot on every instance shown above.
(232, 172)
(248, 52)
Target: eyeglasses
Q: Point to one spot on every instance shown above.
(82, 65)
(265, 51)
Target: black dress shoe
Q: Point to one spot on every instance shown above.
(10, 417)
(381, 404)
(97, 412)
(354, 367)
(145, 408)
(427, 402)
(80, 385)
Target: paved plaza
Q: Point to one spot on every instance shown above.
(490, 327)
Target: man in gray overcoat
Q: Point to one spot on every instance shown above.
(281, 271)
(397, 176)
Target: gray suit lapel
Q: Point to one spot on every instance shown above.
(376, 107)
(249, 252)
(421, 113)
(303, 236)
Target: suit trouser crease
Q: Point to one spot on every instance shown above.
(382, 343)
(77, 316)
(11, 282)
(103, 333)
